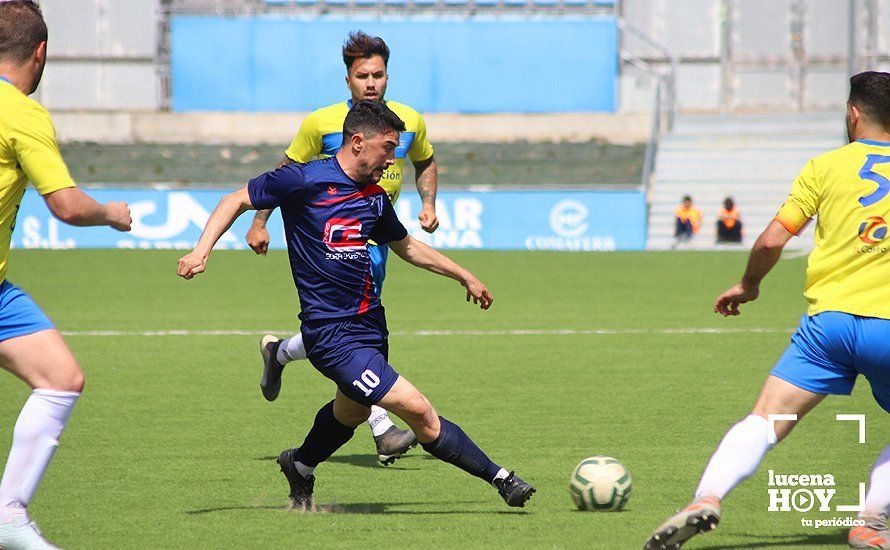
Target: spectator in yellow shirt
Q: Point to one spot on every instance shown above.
(687, 220)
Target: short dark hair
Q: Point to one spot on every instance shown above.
(21, 29)
(370, 118)
(360, 45)
(870, 93)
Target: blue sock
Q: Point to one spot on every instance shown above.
(455, 447)
(326, 436)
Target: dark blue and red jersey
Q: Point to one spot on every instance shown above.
(328, 220)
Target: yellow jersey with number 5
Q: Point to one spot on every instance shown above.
(28, 152)
(321, 135)
(847, 191)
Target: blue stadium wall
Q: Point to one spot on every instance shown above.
(478, 65)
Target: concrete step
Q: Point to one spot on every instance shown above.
(778, 181)
(828, 122)
(750, 220)
(710, 198)
(742, 157)
(819, 146)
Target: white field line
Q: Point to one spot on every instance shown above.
(518, 332)
(795, 254)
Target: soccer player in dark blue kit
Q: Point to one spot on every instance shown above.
(331, 208)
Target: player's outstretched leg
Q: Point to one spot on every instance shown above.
(334, 425)
(43, 361)
(736, 459)
(448, 442)
(874, 534)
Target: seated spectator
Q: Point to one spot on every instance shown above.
(687, 221)
(729, 223)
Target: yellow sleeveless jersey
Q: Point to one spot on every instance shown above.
(28, 152)
(321, 135)
(847, 190)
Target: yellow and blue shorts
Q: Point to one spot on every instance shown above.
(829, 350)
(19, 315)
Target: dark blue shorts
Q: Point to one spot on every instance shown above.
(829, 350)
(19, 315)
(353, 352)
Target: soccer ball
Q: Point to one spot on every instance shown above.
(600, 483)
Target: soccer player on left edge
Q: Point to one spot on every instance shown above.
(320, 136)
(332, 208)
(30, 346)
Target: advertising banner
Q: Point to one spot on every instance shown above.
(504, 220)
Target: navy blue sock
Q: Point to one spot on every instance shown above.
(326, 436)
(455, 447)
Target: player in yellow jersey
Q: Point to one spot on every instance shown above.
(321, 135)
(846, 331)
(30, 346)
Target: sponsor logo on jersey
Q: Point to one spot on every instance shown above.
(873, 230)
(344, 235)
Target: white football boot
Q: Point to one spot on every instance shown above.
(701, 516)
(21, 534)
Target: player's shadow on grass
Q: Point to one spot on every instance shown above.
(392, 509)
(833, 538)
(362, 460)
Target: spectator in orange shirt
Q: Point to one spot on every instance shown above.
(729, 223)
(687, 219)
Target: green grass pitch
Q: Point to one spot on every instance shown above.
(172, 445)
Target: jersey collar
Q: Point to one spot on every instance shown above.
(873, 142)
(4, 79)
(349, 103)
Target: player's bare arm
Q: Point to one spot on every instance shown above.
(227, 211)
(764, 254)
(258, 235)
(74, 207)
(417, 253)
(426, 179)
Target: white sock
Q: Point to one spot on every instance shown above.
(737, 458)
(877, 500)
(379, 421)
(304, 470)
(34, 441)
(291, 349)
(502, 474)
